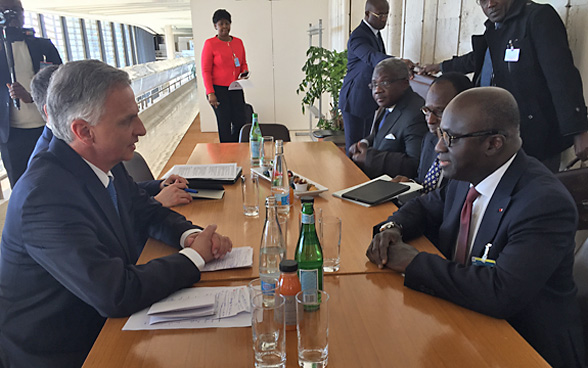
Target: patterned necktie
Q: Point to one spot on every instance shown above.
(383, 119)
(432, 177)
(464, 226)
(112, 191)
(381, 43)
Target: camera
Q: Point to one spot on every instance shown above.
(7, 16)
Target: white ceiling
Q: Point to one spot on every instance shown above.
(150, 14)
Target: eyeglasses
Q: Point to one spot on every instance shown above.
(448, 138)
(379, 16)
(427, 111)
(384, 84)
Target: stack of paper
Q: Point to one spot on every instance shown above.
(218, 172)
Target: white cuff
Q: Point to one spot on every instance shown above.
(367, 143)
(194, 256)
(186, 234)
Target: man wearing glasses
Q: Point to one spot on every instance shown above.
(394, 144)
(504, 224)
(365, 49)
(525, 50)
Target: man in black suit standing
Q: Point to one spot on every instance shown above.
(504, 224)
(394, 144)
(20, 129)
(525, 50)
(365, 49)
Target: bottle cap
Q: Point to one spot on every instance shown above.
(288, 265)
(307, 199)
(254, 115)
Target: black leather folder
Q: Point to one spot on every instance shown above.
(376, 192)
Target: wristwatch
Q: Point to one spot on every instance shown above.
(391, 225)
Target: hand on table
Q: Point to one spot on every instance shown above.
(400, 179)
(358, 152)
(174, 195)
(173, 178)
(18, 91)
(388, 250)
(209, 244)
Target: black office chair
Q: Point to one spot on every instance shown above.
(138, 168)
(278, 131)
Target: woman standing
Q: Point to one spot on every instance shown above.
(223, 62)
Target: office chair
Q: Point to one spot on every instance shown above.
(278, 131)
(138, 168)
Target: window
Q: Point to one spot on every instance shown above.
(120, 44)
(31, 20)
(108, 42)
(130, 46)
(93, 37)
(75, 38)
(54, 32)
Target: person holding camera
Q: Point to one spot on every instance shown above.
(20, 128)
(222, 62)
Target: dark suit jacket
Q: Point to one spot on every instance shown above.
(67, 259)
(530, 222)
(150, 186)
(362, 58)
(395, 149)
(545, 82)
(41, 49)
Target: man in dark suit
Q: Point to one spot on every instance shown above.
(504, 224)
(77, 223)
(394, 144)
(525, 50)
(20, 129)
(365, 49)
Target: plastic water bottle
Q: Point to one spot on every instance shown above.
(272, 248)
(255, 142)
(280, 180)
(309, 253)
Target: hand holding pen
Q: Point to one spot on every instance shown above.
(175, 191)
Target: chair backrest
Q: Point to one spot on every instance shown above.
(421, 83)
(278, 131)
(138, 168)
(248, 113)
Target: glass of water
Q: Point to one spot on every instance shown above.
(312, 328)
(330, 238)
(268, 326)
(250, 191)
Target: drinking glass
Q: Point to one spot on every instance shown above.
(312, 328)
(267, 152)
(250, 191)
(268, 326)
(330, 238)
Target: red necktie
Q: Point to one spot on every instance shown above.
(464, 226)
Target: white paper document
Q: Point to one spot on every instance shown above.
(216, 172)
(232, 309)
(238, 258)
(240, 84)
(413, 188)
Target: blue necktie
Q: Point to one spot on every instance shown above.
(383, 119)
(112, 191)
(432, 177)
(487, 70)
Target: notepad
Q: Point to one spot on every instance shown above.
(376, 192)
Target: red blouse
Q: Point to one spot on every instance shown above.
(218, 62)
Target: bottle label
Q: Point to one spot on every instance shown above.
(307, 219)
(309, 279)
(268, 288)
(254, 146)
(282, 199)
(290, 310)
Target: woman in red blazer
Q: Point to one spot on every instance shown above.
(223, 61)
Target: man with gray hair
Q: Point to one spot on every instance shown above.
(394, 144)
(77, 223)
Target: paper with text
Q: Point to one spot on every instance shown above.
(216, 171)
(238, 258)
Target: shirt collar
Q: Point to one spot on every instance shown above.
(102, 176)
(487, 186)
(372, 28)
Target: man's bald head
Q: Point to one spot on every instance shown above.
(16, 6)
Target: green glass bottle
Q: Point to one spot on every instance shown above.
(309, 253)
(255, 142)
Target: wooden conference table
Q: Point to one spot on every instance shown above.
(374, 320)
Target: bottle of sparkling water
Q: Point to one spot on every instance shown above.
(255, 142)
(280, 180)
(309, 253)
(272, 248)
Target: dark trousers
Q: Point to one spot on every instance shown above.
(356, 128)
(16, 152)
(230, 113)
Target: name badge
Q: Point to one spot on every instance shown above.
(512, 55)
(237, 63)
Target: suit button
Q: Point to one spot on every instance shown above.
(530, 117)
(577, 109)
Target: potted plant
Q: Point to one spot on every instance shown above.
(324, 71)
